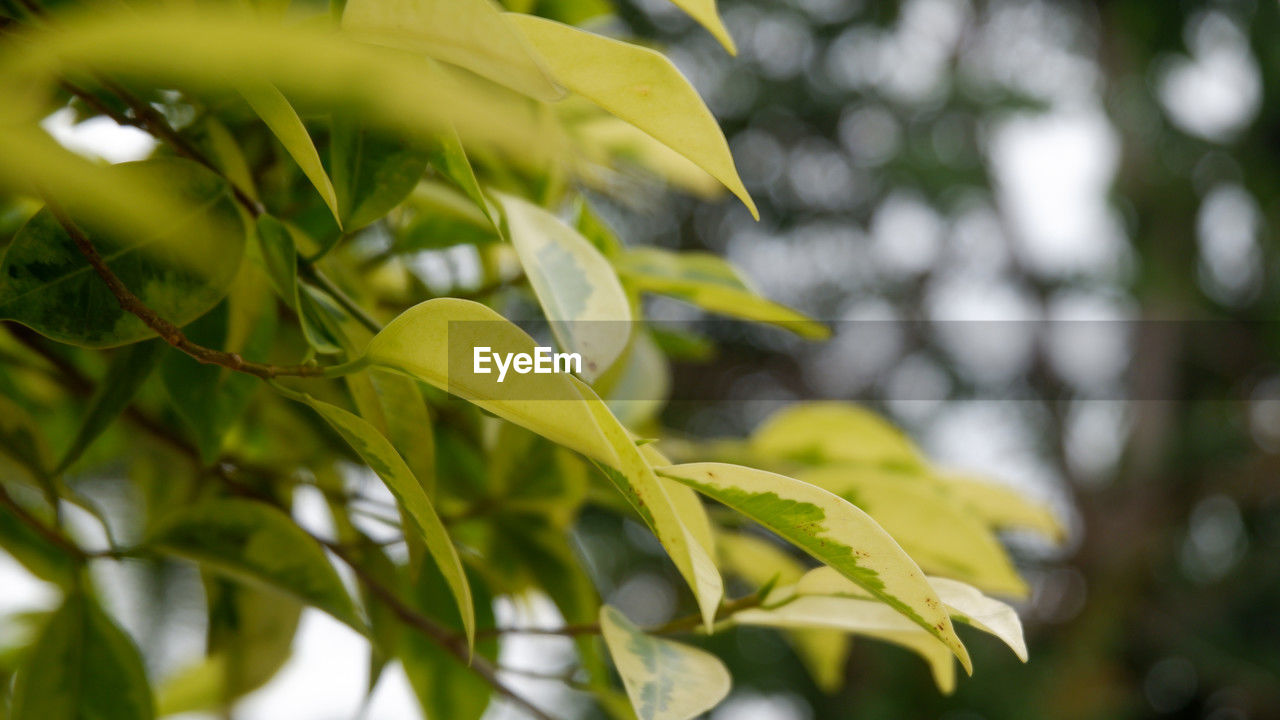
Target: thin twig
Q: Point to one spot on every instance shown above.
(169, 332)
(681, 624)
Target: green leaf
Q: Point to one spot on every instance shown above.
(444, 686)
(450, 158)
(256, 543)
(433, 342)
(40, 556)
(274, 109)
(712, 284)
(23, 440)
(82, 666)
(937, 531)
(211, 399)
(378, 453)
(372, 171)
(129, 368)
(665, 680)
(640, 86)
(679, 521)
(251, 633)
(469, 33)
(823, 432)
(576, 286)
(831, 530)
(704, 11)
(47, 285)
(966, 604)
(279, 258)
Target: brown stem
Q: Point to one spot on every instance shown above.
(438, 633)
(171, 333)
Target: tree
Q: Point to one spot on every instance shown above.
(288, 296)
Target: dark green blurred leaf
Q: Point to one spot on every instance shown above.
(82, 667)
(129, 368)
(46, 284)
(372, 172)
(257, 543)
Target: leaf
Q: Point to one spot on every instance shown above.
(1003, 508)
(643, 383)
(23, 440)
(378, 453)
(469, 33)
(831, 530)
(256, 543)
(665, 680)
(433, 342)
(823, 432)
(862, 617)
(251, 632)
(372, 171)
(129, 368)
(966, 604)
(47, 285)
(82, 666)
(450, 158)
(444, 686)
(639, 86)
(274, 109)
(409, 425)
(279, 258)
(687, 544)
(704, 11)
(712, 284)
(938, 532)
(576, 286)
(211, 399)
(39, 555)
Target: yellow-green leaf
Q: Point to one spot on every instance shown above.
(257, 543)
(378, 453)
(939, 533)
(861, 617)
(832, 530)
(82, 666)
(180, 272)
(434, 341)
(689, 545)
(1003, 508)
(576, 286)
(964, 602)
(822, 432)
(704, 11)
(665, 680)
(711, 283)
(469, 33)
(274, 109)
(640, 86)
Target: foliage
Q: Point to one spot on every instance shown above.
(238, 320)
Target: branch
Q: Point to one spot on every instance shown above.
(438, 633)
(688, 622)
(171, 333)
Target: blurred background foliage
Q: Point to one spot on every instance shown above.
(1112, 164)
